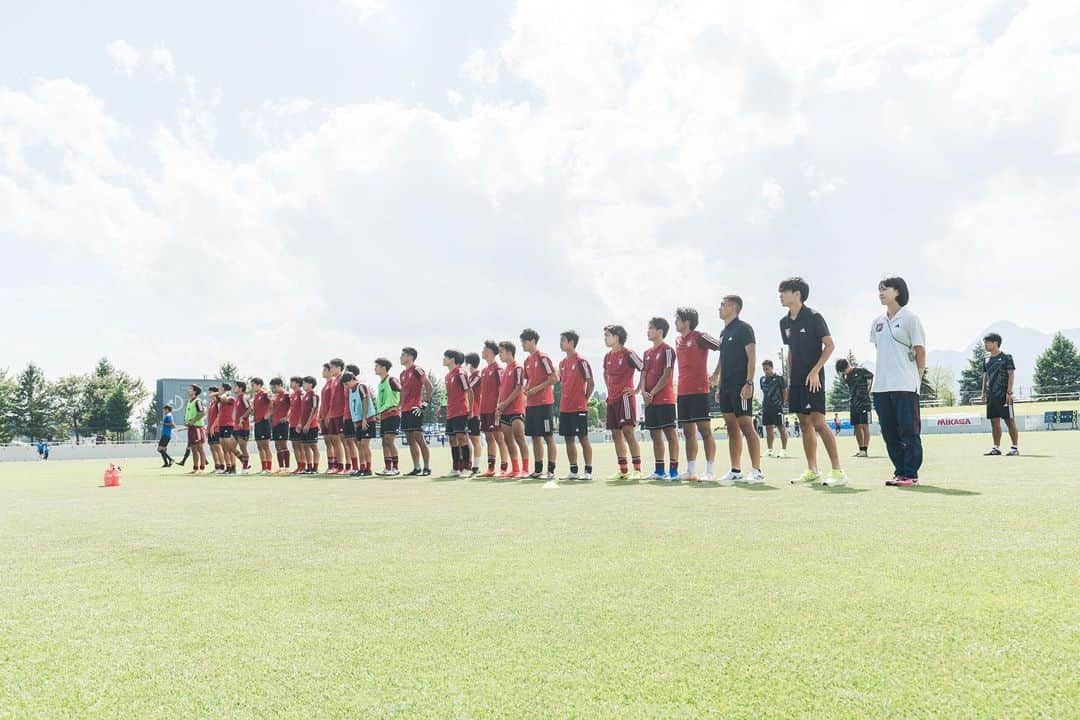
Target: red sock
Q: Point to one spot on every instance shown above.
(637, 462)
(622, 465)
(502, 466)
(356, 461)
(515, 465)
(491, 464)
(285, 454)
(394, 462)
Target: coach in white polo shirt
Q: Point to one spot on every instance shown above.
(901, 360)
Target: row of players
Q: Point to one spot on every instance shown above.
(508, 403)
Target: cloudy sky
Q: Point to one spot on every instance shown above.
(282, 181)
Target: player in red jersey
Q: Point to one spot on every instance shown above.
(510, 410)
(242, 432)
(213, 439)
(309, 425)
(260, 415)
(620, 364)
(350, 449)
(472, 365)
(692, 352)
(416, 391)
(225, 427)
(577, 385)
(488, 402)
(388, 404)
(459, 402)
(658, 392)
(296, 433)
(279, 422)
(324, 408)
(540, 379)
(339, 407)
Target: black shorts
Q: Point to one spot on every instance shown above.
(487, 423)
(508, 420)
(244, 435)
(163, 442)
(311, 436)
(659, 417)
(280, 431)
(347, 427)
(772, 418)
(225, 432)
(411, 422)
(263, 430)
(457, 425)
(693, 408)
(539, 420)
(296, 434)
(999, 408)
(474, 427)
(390, 425)
(803, 402)
(574, 424)
(731, 402)
(362, 434)
(859, 417)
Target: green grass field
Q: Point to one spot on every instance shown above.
(254, 597)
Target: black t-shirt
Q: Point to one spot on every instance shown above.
(997, 375)
(772, 391)
(858, 381)
(803, 335)
(733, 341)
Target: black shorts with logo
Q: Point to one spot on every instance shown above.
(859, 417)
(411, 422)
(539, 420)
(214, 438)
(347, 427)
(804, 402)
(280, 431)
(474, 427)
(244, 435)
(362, 434)
(731, 402)
(225, 432)
(998, 408)
(457, 425)
(772, 417)
(693, 408)
(263, 430)
(390, 425)
(573, 424)
(296, 434)
(488, 423)
(508, 420)
(659, 417)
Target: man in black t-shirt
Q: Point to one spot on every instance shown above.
(734, 376)
(809, 346)
(774, 394)
(999, 370)
(859, 381)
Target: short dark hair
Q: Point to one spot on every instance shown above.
(734, 299)
(338, 363)
(257, 381)
(347, 377)
(226, 387)
(296, 379)
(354, 369)
(660, 324)
(384, 363)
(842, 364)
(472, 359)
(456, 355)
(410, 351)
(796, 284)
(274, 382)
(213, 388)
(570, 336)
(508, 347)
(168, 407)
(687, 315)
(326, 366)
(767, 362)
(197, 390)
(529, 334)
(900, 285)
(993, 337)
(309, 380)
(618, 331)
(492, 346)
(241, 386)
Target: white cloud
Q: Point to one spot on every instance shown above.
(125, 56)
(454, 97)
(773, 194)
(162, 59)
(365, 9)
(479, 69)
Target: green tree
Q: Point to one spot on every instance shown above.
(31, 410)
(941, 378)
(1058, 368)
(102, 382)
(971, 377)
(150, 420)
(70, 396)
(839, 395)
(597, 411)
(117, 413)
(927, 391)
(228, 372)
(435, 412)
(7, 388)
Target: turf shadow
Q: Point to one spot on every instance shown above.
(935, 490)
(621, 483)
(841, 490)
(756, 488)
(664, 483)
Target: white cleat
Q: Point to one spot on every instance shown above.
(730, 478)
(708, 477)
(782, 455)
(570, 477)
(688, 477)
(756, 478)
(586, 477)
(770, 454)
(836, 479)
(658, 476)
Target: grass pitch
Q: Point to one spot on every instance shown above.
(255, 597)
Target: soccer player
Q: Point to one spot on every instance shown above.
(296, 432)
(195, 420)
(734, 378)
(361, 408)
(859, 381)
(620, 364)
(540, 379)
(901, 360)
(167, 426)
(260, 411)
(309, 424)
(388, 404)
(692, 352)
(333, 419)
(510, 410)
(459, 400)
(325, 395)
(658, 393)
(774, 396)
(226, 427)
(280, 410)
(350, 448)
(214, 439)
(416, 390)
(999, 372)
(577, 383)
(472, 371)
(488, 403)
(367, 430)
(810, 344)
(242, 427)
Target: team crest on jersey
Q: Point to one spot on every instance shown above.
(880, 327)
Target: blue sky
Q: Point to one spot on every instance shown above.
(279, 182)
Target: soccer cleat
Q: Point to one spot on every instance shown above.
(244, 471)
(688, 477)
(636, 475)
(489, 473)
(506, 475)
(1013, 452)
(523, 475)
(425, 472)
(730, 478)
(415, 472)
(808, 476)
(570, 476)
(783, 455)
(586, 477)
(660, 475)
(892, 482)
(992, 451)
(673, 476)
(861, 453)
(835, 479)
(756, 478)
(708, 477)
(619, 476)
(551, 485)
(770, 453)
(334, 471)
(534, 475)
(906, 482)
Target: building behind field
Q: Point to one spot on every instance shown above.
(173, 391)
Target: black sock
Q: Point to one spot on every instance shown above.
(168, 458)
(538, 466)
(456, 455)
(164, 457)
(573, 469)
(862, 448)
(466, 456)
(588, 469)
(551, 467)
(187, 454)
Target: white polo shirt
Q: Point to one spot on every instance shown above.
(895, 340)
